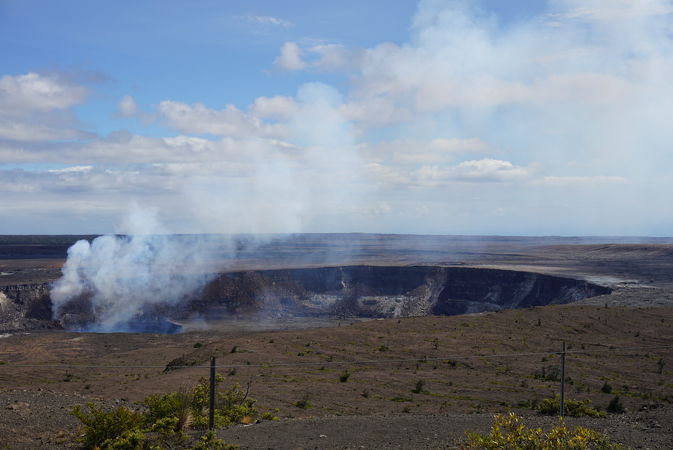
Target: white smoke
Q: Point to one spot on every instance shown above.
(124, 275)
(146, 268)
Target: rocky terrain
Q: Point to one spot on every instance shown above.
(611, 304)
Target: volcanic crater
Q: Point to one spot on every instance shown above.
(363, 291)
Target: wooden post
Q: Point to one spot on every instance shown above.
(563, 378)
(211, 411)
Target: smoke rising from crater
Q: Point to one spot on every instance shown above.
(117, 281)
(125, 276)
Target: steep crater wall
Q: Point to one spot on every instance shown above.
(346, 291)
(26, 306)
(373, 291)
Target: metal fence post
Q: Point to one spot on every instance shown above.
(563, 378)
(211, 411)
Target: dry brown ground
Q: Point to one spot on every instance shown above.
(472, 366)
(469, 364)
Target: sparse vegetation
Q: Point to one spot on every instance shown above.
(303, 403)
(344, 376)
(509, 432)
(209, 441)
(165, 418)
(418, 389)
(615, 406)
(549, 373)
(102, 428)
(573, 408)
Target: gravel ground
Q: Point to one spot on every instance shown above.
(25, 425)
(38, 419)
(643, 430)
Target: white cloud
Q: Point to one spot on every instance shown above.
(24, 131)
(230, 121)
(31, 92)
(489, 170)
(378, 111)
(125, 148)
(290, 57)
(34, 107)
(610, 10)
(474, 171)
(415, 151)
(279, 107)
(322, 56)
(271, 20)
(471, 115)
(127, 107)
(582, 181)
(84, 180)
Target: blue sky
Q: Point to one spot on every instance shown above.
(451, 117)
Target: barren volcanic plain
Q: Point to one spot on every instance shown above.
(293, 316)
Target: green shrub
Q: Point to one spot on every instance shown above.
(209, 441)
(549, 373)
(174, 404)
(573, 408)
(606, 389)
(510, 433)
(269, 415)
(230, 406)
(102, 428)
(615, 406)
(344, 376)
(129, 440)
(168, 432)
(420, 384)
(303, 403)
(167, 415)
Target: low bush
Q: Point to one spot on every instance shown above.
(510, 433)
(102, 426)
(420, 384)
(303, 403)
(166, 417)
(572, 408)
(209, 441)
(615, 406)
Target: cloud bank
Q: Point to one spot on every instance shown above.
(468, 115)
